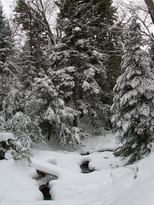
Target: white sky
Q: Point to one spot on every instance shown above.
(8, 6)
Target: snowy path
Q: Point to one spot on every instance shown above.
(110, 184)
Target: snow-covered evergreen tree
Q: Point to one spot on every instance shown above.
(99, 20)
(34, 54)
(17, 122)
(51, 113)
(133, 105)
(6, 44)
(78, 63)
(28, 71)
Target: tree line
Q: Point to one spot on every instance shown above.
(58, 84)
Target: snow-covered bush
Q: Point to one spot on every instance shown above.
(61, 120)
(19, 124)
(24, 129)
(13, 103)
(53, 116)
(133, 105)
(11, 147)
(4, 144)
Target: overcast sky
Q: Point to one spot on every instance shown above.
(8, 6)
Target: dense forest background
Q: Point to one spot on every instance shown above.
(60, 84)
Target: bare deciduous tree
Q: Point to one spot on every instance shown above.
(41, 7)
(142, 14)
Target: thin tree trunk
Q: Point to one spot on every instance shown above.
(39, 52)
(150, 5)
(47, 24)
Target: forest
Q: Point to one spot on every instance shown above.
(77, 101)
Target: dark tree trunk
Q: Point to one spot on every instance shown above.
(75, 121)
(150, 5)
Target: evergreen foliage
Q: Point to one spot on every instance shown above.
(37, 41)
(64, 92)
(99, 21)
(50, 112)
(17, 122)
(28, 71)
(134, 100)
(77, 61)
(6, 44)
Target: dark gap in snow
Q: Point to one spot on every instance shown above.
(43, 181)
(85, 153)
(2, 155)
(45, 189)
(41, 175)
(85, 167)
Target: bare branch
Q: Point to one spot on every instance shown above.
(38, 7)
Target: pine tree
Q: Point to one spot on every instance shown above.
(78, 63)
(37, 41)
(6, 44)
(134, 100)
(99, 19)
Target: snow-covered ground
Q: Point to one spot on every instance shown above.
(111, 183)
(97, 143)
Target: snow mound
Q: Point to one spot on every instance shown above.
(17, 184)
(5, 136)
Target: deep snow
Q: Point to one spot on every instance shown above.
(5, 136)
(111, 184)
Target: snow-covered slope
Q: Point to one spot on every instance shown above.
(111, 183)
(16, 184)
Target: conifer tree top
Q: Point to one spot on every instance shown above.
(134, 98)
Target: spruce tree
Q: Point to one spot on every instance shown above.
(6, 44)
(37, 41)
(134, 98)
(78, 63)
(99, 19)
